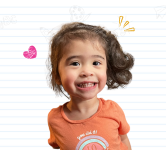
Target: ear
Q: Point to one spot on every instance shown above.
(58, 81)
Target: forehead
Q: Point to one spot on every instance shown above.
(79, 47)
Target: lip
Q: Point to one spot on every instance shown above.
(87, 88)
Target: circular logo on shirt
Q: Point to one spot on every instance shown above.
(92, 143)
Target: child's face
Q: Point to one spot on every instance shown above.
(85, 68)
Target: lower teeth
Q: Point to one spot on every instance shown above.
(87, 86)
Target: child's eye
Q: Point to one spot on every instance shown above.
(98, 62)
(77, 62)
(73, 63)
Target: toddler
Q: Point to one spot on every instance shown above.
(87, 122)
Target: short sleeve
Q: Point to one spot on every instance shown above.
(51, 140)
(124, 127)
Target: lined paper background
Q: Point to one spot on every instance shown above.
(25, 97)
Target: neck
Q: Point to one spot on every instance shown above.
(83, 106)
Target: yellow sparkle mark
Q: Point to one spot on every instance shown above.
(125, 24)
(120, 20)
(130, 29)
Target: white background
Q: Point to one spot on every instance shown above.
(25, 97)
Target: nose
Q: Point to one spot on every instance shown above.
(86, 72)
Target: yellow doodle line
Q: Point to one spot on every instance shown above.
(125, 24)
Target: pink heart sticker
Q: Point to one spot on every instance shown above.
(31, 53)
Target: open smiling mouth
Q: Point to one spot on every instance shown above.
(87, 87)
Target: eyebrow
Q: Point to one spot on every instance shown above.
(79, 56)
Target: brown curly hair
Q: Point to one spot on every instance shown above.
(118, 62)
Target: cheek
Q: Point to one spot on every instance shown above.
(103, 79)
(103, 76)
(69, 78)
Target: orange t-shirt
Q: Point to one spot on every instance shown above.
(99, 132)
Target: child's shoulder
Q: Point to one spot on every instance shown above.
(54, 112)
(110, 103)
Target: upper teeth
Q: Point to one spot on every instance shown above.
(86, 84)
